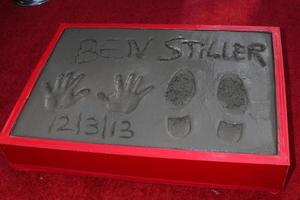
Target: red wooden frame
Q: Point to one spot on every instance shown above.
(16, 147)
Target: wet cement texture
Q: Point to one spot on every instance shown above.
(193, 90)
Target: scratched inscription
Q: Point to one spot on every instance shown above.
(199, 90)
(90, 125)
(90, 50)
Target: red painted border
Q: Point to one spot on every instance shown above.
(139, 179)
(283, 146)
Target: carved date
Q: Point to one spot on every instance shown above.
(90, 125)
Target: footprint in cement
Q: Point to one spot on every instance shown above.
(232, 95)
(179, 127)
(181, 89)
(230, 132)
